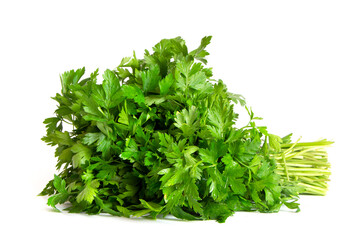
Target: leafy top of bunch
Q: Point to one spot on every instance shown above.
(155, 137)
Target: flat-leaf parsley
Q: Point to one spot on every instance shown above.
(156, 137)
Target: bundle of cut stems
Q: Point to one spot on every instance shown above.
(305, 163)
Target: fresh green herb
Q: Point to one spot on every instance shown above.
(156, 137)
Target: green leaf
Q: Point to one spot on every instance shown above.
(154, 99)
(93, 75)
(59, 184)
(111, 86)
(62, 138)
(91, 138)
(89, 192)
(165, 84)
(151, 78)
(187, 121)
(200, 53)
(123, 117)
(62, 194)
(140, 213)
(275, 142)
(81, 155)
(151, 205)
(133, 92)
(217, 184)
(93, 110)
(52, 124)
(269, 196)
(69, 78)
(57, 199)
(292, 205)
(180, 213)
(217, 211)
(198, 81)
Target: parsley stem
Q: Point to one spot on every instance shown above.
(306, 164)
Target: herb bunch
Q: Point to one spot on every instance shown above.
(156, 137)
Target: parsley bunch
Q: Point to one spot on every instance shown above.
(156, 137)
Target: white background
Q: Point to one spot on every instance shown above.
(296, 62)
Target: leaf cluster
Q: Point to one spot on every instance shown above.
(156, 136)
